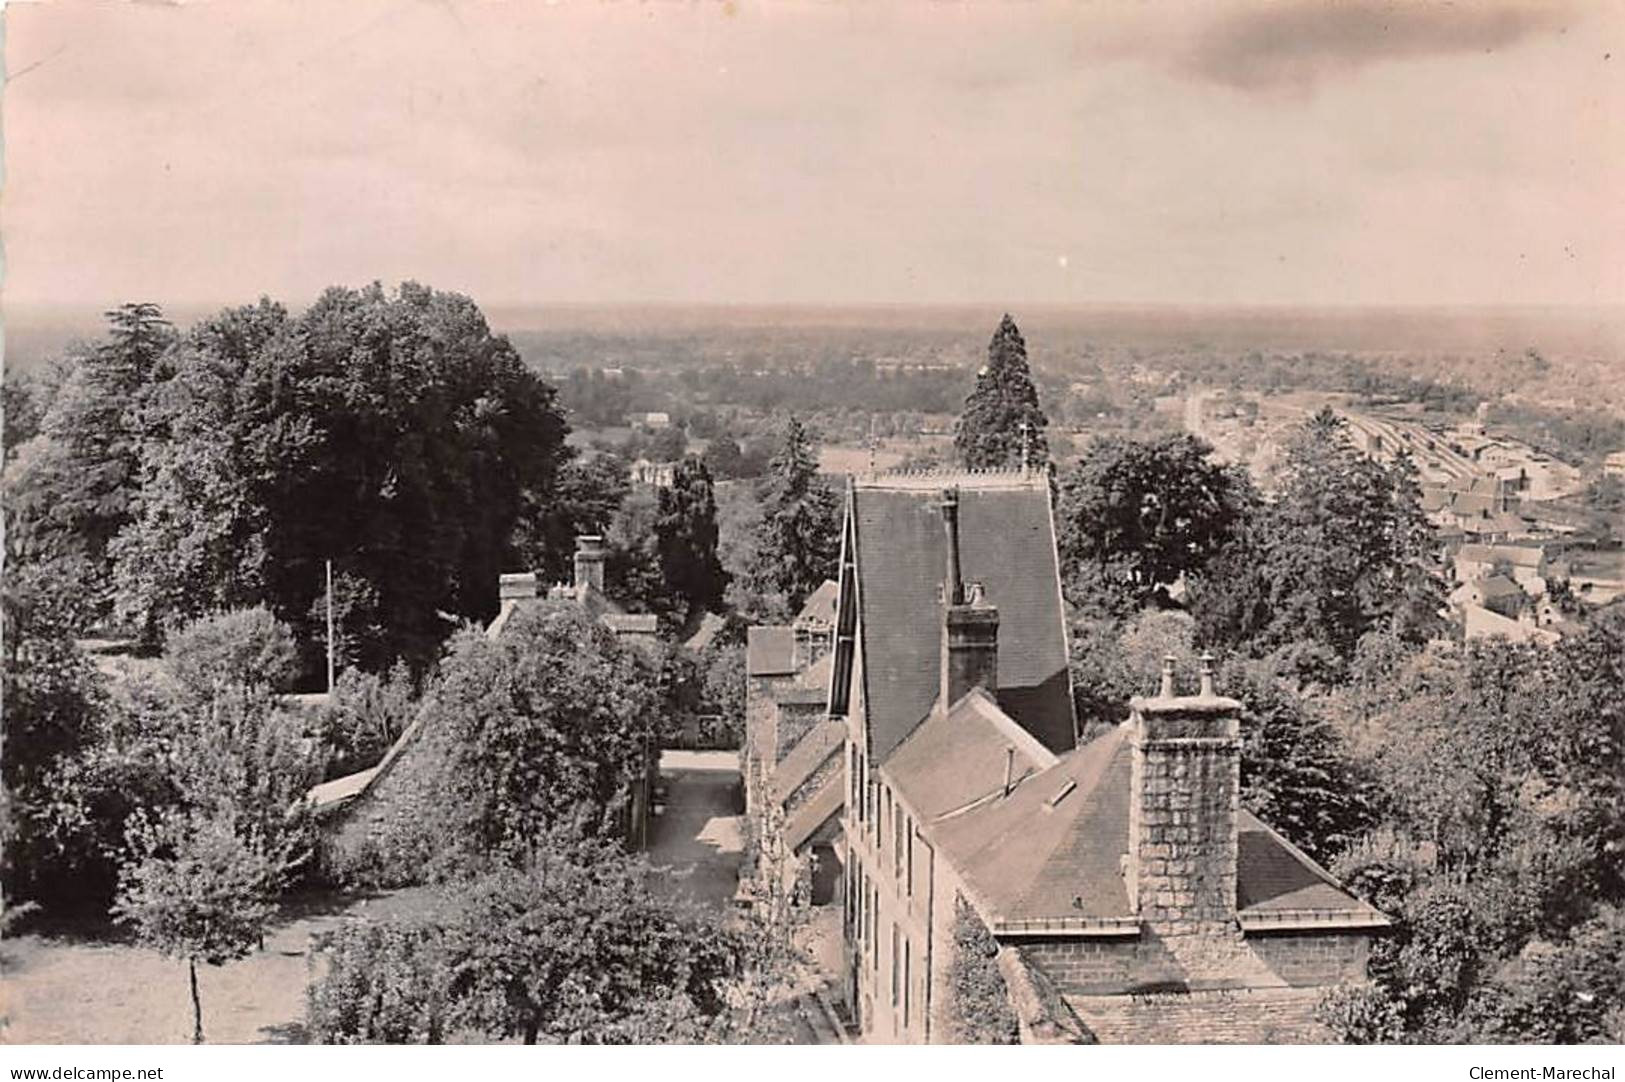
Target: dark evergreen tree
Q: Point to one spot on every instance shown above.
(687, 531)
(1345, 551)
(798, 541)
(990, 432)
(724, 458)
(70, 494)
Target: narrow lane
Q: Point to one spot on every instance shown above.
(697, 836)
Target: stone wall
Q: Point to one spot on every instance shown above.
(1252, 1016)
(1314, 958)
(1151, 962)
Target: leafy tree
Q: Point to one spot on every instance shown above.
(990, 431)
(364, 715)
(576, 946)
(572, 945)
(1135, 515)
(390, 432)
(247, 647)
(54, 708)
(385, 983)
(1506, 764)
(1568, 992)
(1345, 551)
(724, 458)
(590, 490)
(548, 723)
(194, 889)
(798, 540)
(1296, 774)
(22, 409)
(68, 499)
(633, 574)
(686, 529)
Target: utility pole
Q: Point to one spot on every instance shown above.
(330, 627)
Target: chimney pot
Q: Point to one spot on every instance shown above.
(954, 584)
(1207, 674)
(589, 562)
(1167, 691)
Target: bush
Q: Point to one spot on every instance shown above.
(384, 984)
(980, 1002)
(245, 646)
(364, 716)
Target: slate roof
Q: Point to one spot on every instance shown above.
(957, 758)
(1007, 544)
(1516, 555)
(820, 604)
(824, 805)
(811, 752)
(770, 651)
(1071, 821)
(1497, 586)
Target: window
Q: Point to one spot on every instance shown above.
(910, 842)
(899, 825)
(874, 930)
(894, 973)
(855, 806)
(907, 976)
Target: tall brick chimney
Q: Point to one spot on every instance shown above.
(590, 556)
(1184, 798)
(970, 626)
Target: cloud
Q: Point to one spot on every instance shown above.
(1294, 46)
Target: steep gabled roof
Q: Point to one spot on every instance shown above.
(956, 758)
(1007, 544)
(820, 604)
(1053, 852)
(805, 821)
(811, 752)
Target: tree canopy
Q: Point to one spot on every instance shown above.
(1135, 515)
(686, 532)
(798, 539)
(390, 432)
(1344, 552)
(990, 431)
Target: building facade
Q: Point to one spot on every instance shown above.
(1129, 895)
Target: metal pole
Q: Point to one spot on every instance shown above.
(330, 627)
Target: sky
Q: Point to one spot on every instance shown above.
(691, 151)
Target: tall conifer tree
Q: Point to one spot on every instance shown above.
(798, 542)
(687, 532)
(990, 432)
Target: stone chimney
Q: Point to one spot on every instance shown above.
(590, 556)
(970, 626)
(1184, 798)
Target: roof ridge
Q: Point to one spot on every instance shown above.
(966, 477)
(989, 708)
